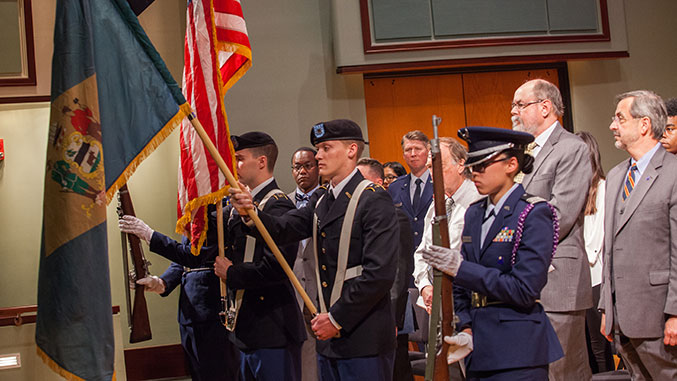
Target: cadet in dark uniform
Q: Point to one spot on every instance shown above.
(355, 327)
(268, 327)
(212, 356)
(508, 242)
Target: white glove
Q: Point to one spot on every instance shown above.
(133, 225)
(460, 345)
(443, 259)
(153, 284)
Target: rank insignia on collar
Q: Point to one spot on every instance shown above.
(505, 235)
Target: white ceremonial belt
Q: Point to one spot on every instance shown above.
(353, 272)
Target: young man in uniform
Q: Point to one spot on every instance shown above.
(355, 249)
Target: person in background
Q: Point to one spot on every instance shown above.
(372, 170)
(306, 175)
(561, 170)
(392, 170)
(599, 349)
(669, 139)
(639, 282)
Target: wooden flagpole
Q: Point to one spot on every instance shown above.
(252, 214)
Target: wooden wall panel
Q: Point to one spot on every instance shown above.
(398, 105)
(488, 95)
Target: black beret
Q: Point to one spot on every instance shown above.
(338, 129)
(251, 140)
(486, 142)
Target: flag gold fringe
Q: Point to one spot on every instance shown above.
(184, 111)
(193, 205)
(58, 369)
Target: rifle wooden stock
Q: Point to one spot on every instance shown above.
(139, 323)
(441, 369)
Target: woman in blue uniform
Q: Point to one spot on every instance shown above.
(508, 241)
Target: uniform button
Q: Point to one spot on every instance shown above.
(303, 279)
(324, 267)
(324, 284)
(305, 259)
(324, 250)
(415, 218)
(324, 234)
(261, 297)
(415, 233)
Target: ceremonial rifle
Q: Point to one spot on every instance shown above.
(139, 323)
(437, 368)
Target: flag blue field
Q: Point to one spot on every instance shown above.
(113, 102)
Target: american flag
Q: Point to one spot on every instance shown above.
(217, 54)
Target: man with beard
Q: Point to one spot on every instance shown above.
(561, 169)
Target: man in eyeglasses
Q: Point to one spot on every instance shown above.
(306, 174)
(561, 170)
(669, 140)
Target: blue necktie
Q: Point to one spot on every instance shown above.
(629, 182)
(417, 195)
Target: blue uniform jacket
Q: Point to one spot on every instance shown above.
(516, 332)
(200, 294)
(399, 191)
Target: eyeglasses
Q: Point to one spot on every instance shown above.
(391, 177)
(618, 119)
(479, 168)
(306, 166)
(521, 106)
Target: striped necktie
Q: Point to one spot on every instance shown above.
(629, 182)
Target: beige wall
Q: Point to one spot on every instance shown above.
(291, 85)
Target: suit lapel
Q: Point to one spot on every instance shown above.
(544, 153)
(505, 212)
(475, 230)
(639, 191)
(405, 195)
(326, 214)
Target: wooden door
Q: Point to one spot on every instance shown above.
(397, 105)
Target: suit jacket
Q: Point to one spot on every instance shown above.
(399, 191)
(561, 176)
(363, 310)
(304, 266)
(515, 332)
(269, 316)
(640, 248)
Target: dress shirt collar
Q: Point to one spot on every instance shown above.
(543, 138)
(336, 189)
(310, 192)
(643, 161)
(259, 187)
(424, 179)
(497, 208)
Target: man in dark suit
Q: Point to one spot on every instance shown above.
(212, 356)
(413, 193)
(639, 284)
(372, 170)
(306, 175)
(561, 169)
(355, 229)
(268, 325)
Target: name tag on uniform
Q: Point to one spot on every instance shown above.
(505, 235)
(466, 239)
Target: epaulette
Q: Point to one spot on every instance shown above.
(280, 195)
(323, 186)
(532, 199)
(374, 187)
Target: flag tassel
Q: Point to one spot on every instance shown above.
(250, 212)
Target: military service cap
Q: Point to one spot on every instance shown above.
(485, 143)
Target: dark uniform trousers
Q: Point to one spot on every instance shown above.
(366, 346)
(512, 336)
(212, 356)
(269, 330)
